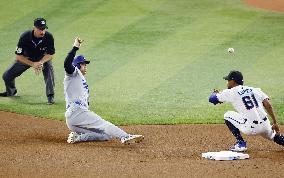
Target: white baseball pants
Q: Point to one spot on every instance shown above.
(250, 126)
(92, 127)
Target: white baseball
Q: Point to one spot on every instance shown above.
(231, 50)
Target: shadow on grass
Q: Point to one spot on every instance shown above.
(30, 100)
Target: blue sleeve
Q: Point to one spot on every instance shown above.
(213, 98)
(69, 68)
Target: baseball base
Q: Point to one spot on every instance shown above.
(225, 156)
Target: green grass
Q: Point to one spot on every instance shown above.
(153, 61)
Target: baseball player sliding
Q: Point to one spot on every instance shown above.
(84, 124)
(250, 118)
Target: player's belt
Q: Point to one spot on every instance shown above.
(257, 122)
(76, 103)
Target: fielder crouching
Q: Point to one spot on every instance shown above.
(84, 124)
(250, 118)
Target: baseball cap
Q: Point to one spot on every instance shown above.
(80, 59)
(236, 76)
(40, 23)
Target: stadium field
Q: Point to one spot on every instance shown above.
(153, 61)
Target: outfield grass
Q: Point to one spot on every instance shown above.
(153, 61)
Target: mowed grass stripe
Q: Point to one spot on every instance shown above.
(98, 27)
(167, 59)
(101, 23)
(155, 38)
(133, 40)
(128, 43)
(12, 11)
(145, 110)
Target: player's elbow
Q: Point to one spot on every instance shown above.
(267, 104)
(213, 99)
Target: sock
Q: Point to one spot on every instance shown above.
(279, 139)
(235, 131)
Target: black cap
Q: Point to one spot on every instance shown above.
(236, 76)
(40, 23)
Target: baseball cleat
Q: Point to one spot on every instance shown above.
(73, 137)
(239, 147)
(132, 139)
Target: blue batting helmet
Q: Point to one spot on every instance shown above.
(79, 59)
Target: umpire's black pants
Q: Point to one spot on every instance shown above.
(17, 68)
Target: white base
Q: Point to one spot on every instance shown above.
(225, 155)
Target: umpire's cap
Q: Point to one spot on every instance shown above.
(79, 59)
(40, 23)
(236, 76)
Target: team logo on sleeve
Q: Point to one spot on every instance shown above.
(19, 50)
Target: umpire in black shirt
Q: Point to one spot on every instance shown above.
(35, 49)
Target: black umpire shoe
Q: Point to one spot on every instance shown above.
(50, 99)
(5, 94)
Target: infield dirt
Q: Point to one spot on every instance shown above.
(37, 147)
(274, 5)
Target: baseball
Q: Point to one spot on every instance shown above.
(231, 50)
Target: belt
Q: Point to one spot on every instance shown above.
(76, 104)
(256, 122)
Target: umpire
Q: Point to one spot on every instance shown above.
(35, 49)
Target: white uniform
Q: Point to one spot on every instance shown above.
(78, 117)
(76, 92)
(250, 118)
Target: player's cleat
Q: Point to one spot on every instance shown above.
(74, 137)
(132, 139)
(239, 147)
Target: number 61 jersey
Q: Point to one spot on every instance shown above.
(246, 101)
